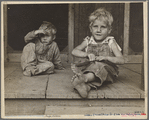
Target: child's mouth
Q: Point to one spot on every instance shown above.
(98, 34)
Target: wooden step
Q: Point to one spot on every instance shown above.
(38, 106)
(88, 111)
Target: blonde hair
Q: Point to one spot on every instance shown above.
(48, 27)
(103, 14)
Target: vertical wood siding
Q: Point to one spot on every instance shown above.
(82, 12)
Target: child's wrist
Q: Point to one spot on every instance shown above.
(106, 57)
(36, 32)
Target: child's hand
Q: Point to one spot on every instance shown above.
(59, 67)
(32, 69)
(100, 58)
(40, 31)
(91, 57)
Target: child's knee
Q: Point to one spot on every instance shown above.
(29, 47)
(50, 69)
(90, 76)
(49, 65)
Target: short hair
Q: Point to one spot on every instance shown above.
(48, 27)
(101, 13)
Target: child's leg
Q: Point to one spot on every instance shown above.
(80, 86)
(89, 77)
(45, 67)
(80, 80)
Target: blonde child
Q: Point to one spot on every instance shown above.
(41, 55)
(101, 55)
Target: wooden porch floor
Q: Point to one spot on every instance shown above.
(58, 85)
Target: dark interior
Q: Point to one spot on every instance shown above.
(27, 17)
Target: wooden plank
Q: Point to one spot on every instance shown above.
(131, 79)
(10, 67)
(145, 45)
(4, 23)
(142, 73)
(84, 110)
(143, 94)
(133, 59)
(128, 88)
(71, 31)
(16, 57)
(8, 71)
(125, 91)
(126, 29)
(132, 67)
(38, 106)
(19, 86)
(108, 93)
(59, 86)
(77, 24)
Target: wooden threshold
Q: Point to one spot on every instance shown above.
(16, 57)
(90, 111)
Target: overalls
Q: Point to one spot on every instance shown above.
(103, 70)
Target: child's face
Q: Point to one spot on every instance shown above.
(100, 30)
(47, 39)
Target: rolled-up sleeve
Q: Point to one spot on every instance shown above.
(30, 36)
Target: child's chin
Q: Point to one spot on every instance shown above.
(98, 39)
(46, 43)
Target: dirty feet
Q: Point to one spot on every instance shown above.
(75, 69)
(27, 73)
(80, 85)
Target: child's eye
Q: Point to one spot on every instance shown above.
(95, 26)
(103, 27)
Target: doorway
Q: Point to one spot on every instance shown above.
(23, 18)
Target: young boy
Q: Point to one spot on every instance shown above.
(41, 55)
(102, 51)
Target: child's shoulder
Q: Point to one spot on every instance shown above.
(87, 38)
(112, 41)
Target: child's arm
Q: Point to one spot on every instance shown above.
(57, 60)
(118, 59)
(78, 50)
(79, 53)
(32, 35)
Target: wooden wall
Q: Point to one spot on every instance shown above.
(81, 23)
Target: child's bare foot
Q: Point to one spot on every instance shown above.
(79, 84)
(75, 70)
(27, 73)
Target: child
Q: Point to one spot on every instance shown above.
(102, 51)
(41, 55)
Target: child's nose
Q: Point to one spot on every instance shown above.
(44, 38)
(98, 29)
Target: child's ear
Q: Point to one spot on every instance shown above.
(110, 29)
(90, 27)
(54, 37)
